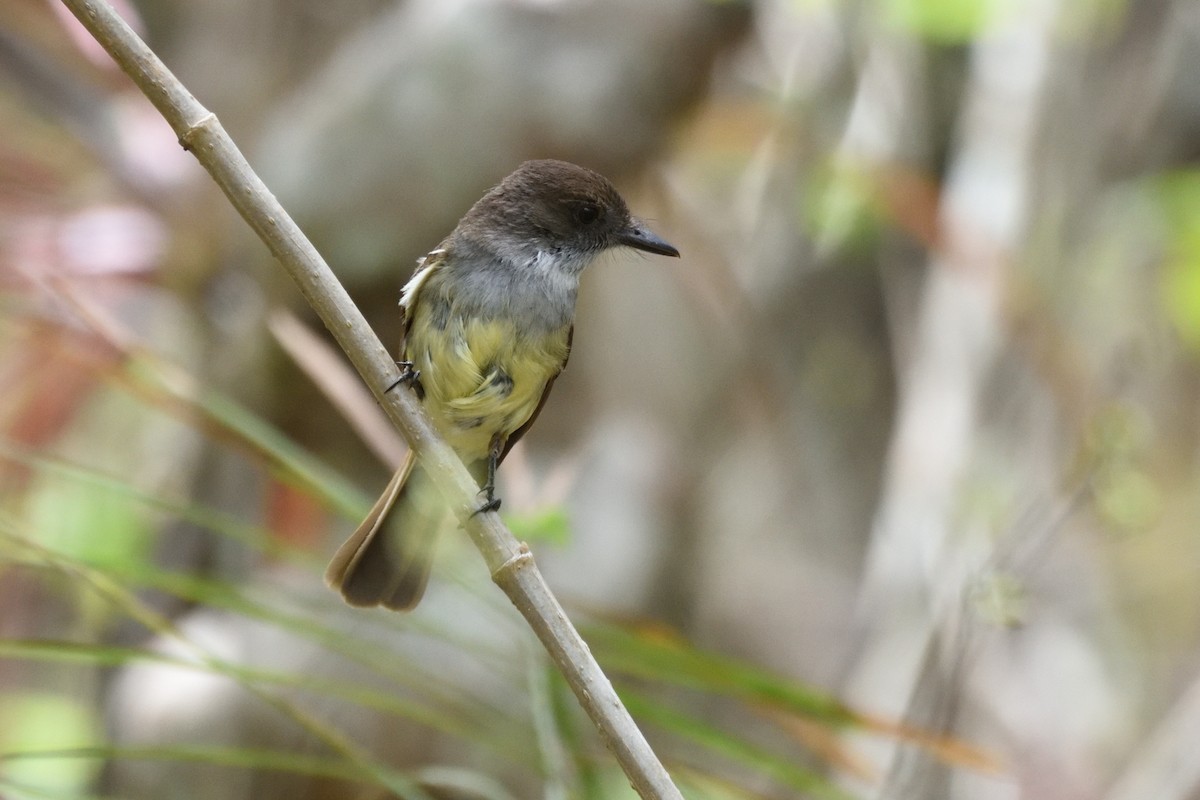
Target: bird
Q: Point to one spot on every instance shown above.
(488, 320)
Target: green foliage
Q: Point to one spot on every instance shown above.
(87, 522)
(945, 21)
(40, 734)
(844, 206)
(549, 525)
(665, 658)
(634, 657)
(1179, 198)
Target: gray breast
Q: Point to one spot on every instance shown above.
(537, 294)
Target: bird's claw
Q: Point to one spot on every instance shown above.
(407, 375)
(492, 504)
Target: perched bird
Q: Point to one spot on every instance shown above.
(488, 319)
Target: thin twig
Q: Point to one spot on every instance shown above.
(200, 133)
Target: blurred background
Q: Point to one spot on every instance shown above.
(889, 488)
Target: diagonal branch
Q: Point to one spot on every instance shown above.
(510, 562)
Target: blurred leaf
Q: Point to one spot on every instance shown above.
(1178, 194)
(658, 654)
(1181, 296)
(270, 760)
(45, 722)
(1127, 498)
(947, 21)
(53, 651)
(549, 525)
(88, 522)
(653, 654)
(466, 716)
(230, 420)
(196, 654)
(784, 771)
(1001, 598)
(843, 208)
(207, 518)
(1179, 197)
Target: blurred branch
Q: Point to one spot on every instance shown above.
(918, 569)
(324, 367)
(511, 564)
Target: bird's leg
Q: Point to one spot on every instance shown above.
(489, 488)
(407, 375)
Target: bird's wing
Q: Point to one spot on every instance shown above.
(411, 294)
(519, 432)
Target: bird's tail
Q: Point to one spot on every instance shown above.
(386, 561)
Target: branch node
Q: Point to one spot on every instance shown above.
(521, 559)
(186, 138)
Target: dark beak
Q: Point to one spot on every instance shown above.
(639, 237)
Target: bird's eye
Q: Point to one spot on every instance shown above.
(587, 213)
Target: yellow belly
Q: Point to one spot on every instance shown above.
(482, 378)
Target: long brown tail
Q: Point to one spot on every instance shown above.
(386, 561)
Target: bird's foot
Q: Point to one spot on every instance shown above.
(408, 375)
(489, 488)
(492, 504)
